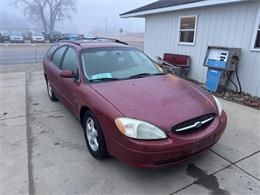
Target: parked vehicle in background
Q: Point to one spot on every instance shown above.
(37, 37)
(27, 35)
(46, 36)
(16, 37)
(71, 36)
(128, 107)
(5, 35)
(88, 36)
(1, 38)
(55, 36)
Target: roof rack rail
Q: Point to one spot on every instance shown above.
(79, 40)
(104, 38)
(70, 41)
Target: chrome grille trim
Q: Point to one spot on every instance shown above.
(195, 125)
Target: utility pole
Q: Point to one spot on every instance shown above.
(106, 27)
(121, 30)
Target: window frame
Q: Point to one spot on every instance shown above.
(256, 30)
(49, 55)
(195, 30)
(61, 60)
(77, 62)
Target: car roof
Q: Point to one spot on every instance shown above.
(88, 43)
(101, 45)
(38, 33)
(16, 32)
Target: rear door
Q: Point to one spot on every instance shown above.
(69, 85)
(54, 70)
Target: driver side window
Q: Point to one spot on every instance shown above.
(56, 59)
(70, 61)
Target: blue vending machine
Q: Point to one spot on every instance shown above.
(220, 62)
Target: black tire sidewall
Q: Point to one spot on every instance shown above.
(52, 96)
(101, 153)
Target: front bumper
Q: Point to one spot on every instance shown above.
(38, 41)
(17, 41)
(54, 39)
(171, 151)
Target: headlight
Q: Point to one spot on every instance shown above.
(218, 105)
(139, 129)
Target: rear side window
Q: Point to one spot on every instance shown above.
(51, 50)
(70, 61)
(56, 59)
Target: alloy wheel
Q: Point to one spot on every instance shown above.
(92, 134)
(49, 88)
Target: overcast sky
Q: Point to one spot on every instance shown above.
(90, 14)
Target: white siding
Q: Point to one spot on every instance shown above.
(230, 25)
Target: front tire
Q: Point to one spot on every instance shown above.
(50, 91)
(94, 136)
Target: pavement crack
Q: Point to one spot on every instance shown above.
(235, 163)
(29, 136)
(54, 111)
(196, 172)
(201, 177)
(247, 172)
(209, 182)
(14, 117)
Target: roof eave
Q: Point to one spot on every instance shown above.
(178, 7)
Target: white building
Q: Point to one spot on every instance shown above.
(188, 27)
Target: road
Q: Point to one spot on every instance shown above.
(31, 53)
(22, 54)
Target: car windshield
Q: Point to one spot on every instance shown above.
(55, 33)
(5, 33)
(37, 34)
(117, 63)
(71, 35)
(16, 33)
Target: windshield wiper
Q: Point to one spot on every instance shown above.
(104, 79)
(141, 75)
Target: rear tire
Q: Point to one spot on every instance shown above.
(50, 91)
(94, 136)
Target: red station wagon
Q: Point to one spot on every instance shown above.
(128, 107)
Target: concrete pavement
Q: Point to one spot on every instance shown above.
(14, 178)
(53, 158)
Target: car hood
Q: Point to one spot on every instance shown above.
(37, 37)
(161, 100)
(16, 37)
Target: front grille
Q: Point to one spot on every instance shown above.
(193, 124)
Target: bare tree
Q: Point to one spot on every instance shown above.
(49, 12)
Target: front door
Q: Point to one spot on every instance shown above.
(54, 70)
(69, 85)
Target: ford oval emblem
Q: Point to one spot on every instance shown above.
(198, 124)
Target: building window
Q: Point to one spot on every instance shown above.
(187, 30)
(256, 38)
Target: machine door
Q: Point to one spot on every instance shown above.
(217, 58)
(213, 79)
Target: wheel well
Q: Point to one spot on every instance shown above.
(82, 112)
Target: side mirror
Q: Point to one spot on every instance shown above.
(67, 74)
